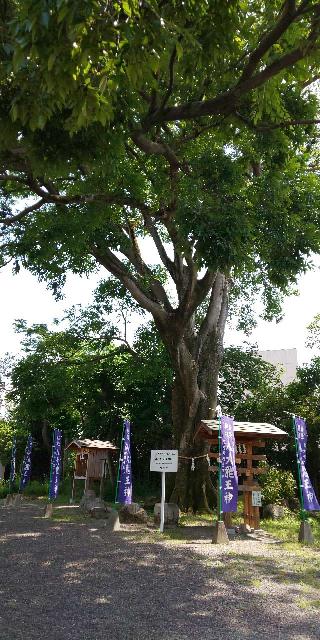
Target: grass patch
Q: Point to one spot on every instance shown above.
(72, 516)
(287, 530)
(189, 519)
(308, 604)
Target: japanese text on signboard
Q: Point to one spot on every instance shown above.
(164, 460)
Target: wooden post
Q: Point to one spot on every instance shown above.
(72, 492)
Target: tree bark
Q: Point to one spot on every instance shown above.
(196, 359)
(45, 432)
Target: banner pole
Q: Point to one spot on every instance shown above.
(51, 461)
(220, 515)
(119, 464)
(302, 510)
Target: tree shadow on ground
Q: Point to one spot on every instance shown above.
(77, 580)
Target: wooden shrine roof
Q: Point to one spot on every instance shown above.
(90, 444)
(248, 430)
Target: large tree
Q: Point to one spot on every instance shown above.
(190, 123)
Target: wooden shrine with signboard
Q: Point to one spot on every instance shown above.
(93, 461)
(250, 439)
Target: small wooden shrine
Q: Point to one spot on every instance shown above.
(93, 461)
(250, 438)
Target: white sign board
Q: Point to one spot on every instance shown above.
(165, 460)
(256, 499)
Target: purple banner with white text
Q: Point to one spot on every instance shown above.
(13, 460)
(55, 464)
(125, 481)
(229, 477)
(310, 501)
(26, 465)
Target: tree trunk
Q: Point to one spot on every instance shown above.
(193, 487)
(45, 432)
(194, 397)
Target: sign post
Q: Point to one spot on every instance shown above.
(163, 461)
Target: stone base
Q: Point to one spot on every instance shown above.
(220, 535)
(9, 500)
(113, 523)
(171, 513)
(245, 528)
(305, 533)
(93, 506)
(133, 514)
(48, 510)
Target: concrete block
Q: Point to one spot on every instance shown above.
(48, 510)
(171, 513)
(220, 535)
(17, 499)
(305, 533)
(113, 522)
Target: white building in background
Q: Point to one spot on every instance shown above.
(285, 360)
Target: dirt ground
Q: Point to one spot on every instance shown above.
(62, 580)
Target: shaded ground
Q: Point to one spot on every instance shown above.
(63, 580)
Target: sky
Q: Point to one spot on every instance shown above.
(24, 297)
(298, 312)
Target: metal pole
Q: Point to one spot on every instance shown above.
(119, 464)
(220, 515)
(302, 511)
(163, 499)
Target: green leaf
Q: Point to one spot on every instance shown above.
(51, 61)
(179, 49)
(126, 7)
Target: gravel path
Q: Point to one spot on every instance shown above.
(63, 581)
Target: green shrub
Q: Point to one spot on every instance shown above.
(277, 486)
(36, 488)
(5, 488)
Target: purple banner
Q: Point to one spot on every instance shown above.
(55, 464)
(13, 460)
(125, 481)
(229, 477)
(310, 501)
(26, 465)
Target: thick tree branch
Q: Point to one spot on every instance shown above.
(155, 148)
(217, 305)
(107, 259)
(288, 16)
(268, 126)
(225, 103)
(168, 264)
(135, 257)
(7, 221)
(170, 85)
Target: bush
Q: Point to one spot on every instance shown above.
(277, 486)
(5, 488)
(36, 488)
